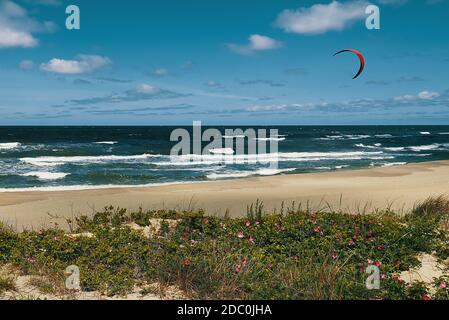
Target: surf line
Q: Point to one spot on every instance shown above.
(245, 143)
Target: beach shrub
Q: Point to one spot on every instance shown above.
(294, 254)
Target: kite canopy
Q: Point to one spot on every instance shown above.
(362, 60)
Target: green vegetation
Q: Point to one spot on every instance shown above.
(292, 254)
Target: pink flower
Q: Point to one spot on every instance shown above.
(244, 262)
(378, 263)
(355, 237)
(398, 279)
(370, 262)
(251, 239)
(383, 276)
(238, 268)
(206, 221)
(443, 285)
(351, 243)
(56, 238)
(240, 235)
(248, 223)
(296, 258)
(270, 266)
(370, 233)
(334, 256)
(426, 297)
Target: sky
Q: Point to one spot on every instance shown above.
(171, 62)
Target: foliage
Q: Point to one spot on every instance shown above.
(295, 254)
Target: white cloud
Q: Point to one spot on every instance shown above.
(321, 18)
(17, 28)
(423, 95)
(83, 64)
(146, 89)
(10, 38)
(256, 42)
(26, 65)
(428, 95)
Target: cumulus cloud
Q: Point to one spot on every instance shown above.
(321, 18)
(256, 42)
(17, 28)
(83, 64)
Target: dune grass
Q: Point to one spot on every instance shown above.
(293, 254)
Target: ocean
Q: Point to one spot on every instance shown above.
(58, 158)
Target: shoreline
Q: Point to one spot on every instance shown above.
(358, 191)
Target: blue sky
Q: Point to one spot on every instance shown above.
(229, 62)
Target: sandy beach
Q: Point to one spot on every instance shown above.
(354, 190)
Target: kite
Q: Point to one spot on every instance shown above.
(362, 60)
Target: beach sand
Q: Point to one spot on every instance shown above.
(398, 187)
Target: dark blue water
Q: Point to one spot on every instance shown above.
(83, 157)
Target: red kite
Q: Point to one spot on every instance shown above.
(362, 60)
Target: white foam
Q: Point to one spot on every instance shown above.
(56, 161)
(191, 160)
(394, 148)
(107, 142)
(234, 137)
(9, 145)
(271, 139)
(346, 137)
(243, 174)
(384, 135)
(222, 151)
(375, 146)
(92, 187)
(46, 175)
(425, 147)
(394, 164)
(426, 133)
